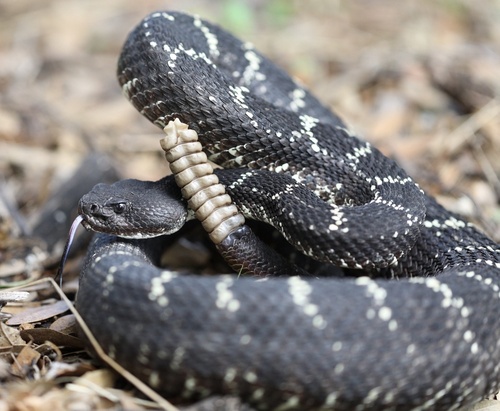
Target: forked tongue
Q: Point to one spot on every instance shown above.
(67, 246)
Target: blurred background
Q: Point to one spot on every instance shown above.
(418, 78)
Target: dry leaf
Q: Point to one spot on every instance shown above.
(65, 325)
(38, 314)
(25, 361)
(40, 335)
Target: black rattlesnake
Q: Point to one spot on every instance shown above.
(422, 342)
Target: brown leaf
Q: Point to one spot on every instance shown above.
(25, 361)
(65, 325)
(37, 314)
(10, 336)
(40, 335)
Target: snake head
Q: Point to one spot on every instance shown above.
(134, 208)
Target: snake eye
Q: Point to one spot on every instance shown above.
(119, 208)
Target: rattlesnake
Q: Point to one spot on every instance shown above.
(394, 336)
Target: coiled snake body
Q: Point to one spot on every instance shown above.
(429, 340)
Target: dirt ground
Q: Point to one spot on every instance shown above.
(418, 78)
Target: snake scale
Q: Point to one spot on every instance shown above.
(416, 327)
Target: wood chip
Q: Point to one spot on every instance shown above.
(11, 296)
